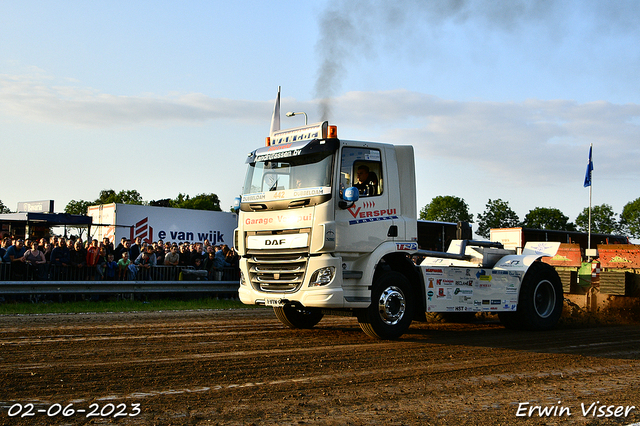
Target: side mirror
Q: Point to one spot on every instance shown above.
(349, 196)
(236, 204)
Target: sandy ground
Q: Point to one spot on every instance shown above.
(242, 367)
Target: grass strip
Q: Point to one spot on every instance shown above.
(90, 306)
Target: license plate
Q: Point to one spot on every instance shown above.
(277, 303)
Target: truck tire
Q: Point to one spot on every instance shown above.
(298, 317)
(391, 309)
(540, 301)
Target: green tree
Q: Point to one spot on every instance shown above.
(199, 202)
(603, 220)
(497, 214)
(547, 218)
(108, 196)
(77, 207)
(3, 208)
(630, 218)
(446, 209)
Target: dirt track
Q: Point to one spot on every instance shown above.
(244, 367)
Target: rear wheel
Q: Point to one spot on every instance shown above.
(391, 309)
(540, 300)
(298, 317)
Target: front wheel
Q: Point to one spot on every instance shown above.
(540, 300)
(391, 309)
(298, 317)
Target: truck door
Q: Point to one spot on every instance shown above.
(364, 225)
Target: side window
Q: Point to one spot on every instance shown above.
(362, 168)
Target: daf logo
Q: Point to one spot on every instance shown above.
(275, 242)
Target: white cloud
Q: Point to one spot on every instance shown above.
(546, 139)
(34, 98)
(503, 140)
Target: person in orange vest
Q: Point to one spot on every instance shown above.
(93, 253)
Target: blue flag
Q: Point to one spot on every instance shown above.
(587, 177)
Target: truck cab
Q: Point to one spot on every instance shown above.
(302, 242)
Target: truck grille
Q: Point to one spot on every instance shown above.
(277, 272)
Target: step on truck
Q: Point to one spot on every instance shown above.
(329, 226)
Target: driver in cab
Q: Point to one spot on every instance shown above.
(367, 182)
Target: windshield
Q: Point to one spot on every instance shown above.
(293, 177)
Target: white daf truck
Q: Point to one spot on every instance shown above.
(329, 226)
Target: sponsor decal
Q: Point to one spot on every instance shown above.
(144, 230)
(253, 197)
(277, 155)
(406, 246)
(330, 235)
(433, 271)
(367, 213)
(459, 290)
(283, 219)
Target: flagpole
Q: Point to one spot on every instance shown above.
(590, 191)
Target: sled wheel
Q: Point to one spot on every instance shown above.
(540, 300)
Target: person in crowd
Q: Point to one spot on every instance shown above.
(78, 258)
(220, 263)
(196, 253)
(47, 251)
(101, 263)
(34, 259)
(198, 264)
(135, 249)
(93, 254)
(123, 266)
(117, 252)
(108, 245)
(210, 264)
(143, 264)
(172, 258)
(184, 254)
(60, 255)
(6, 243)
(110, 268)
(15, 256)
(160, 253)
(61, 258)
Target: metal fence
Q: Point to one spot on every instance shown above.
(48, 279)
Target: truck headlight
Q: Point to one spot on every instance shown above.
(242, 281)
(322, 276)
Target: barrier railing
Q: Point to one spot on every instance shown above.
(47, 278)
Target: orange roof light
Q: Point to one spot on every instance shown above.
(267, 141)
(333, 132)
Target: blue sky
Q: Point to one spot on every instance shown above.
(499, 99)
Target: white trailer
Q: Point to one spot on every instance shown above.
(161, 223)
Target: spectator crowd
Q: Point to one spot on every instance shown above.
(61, 258)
